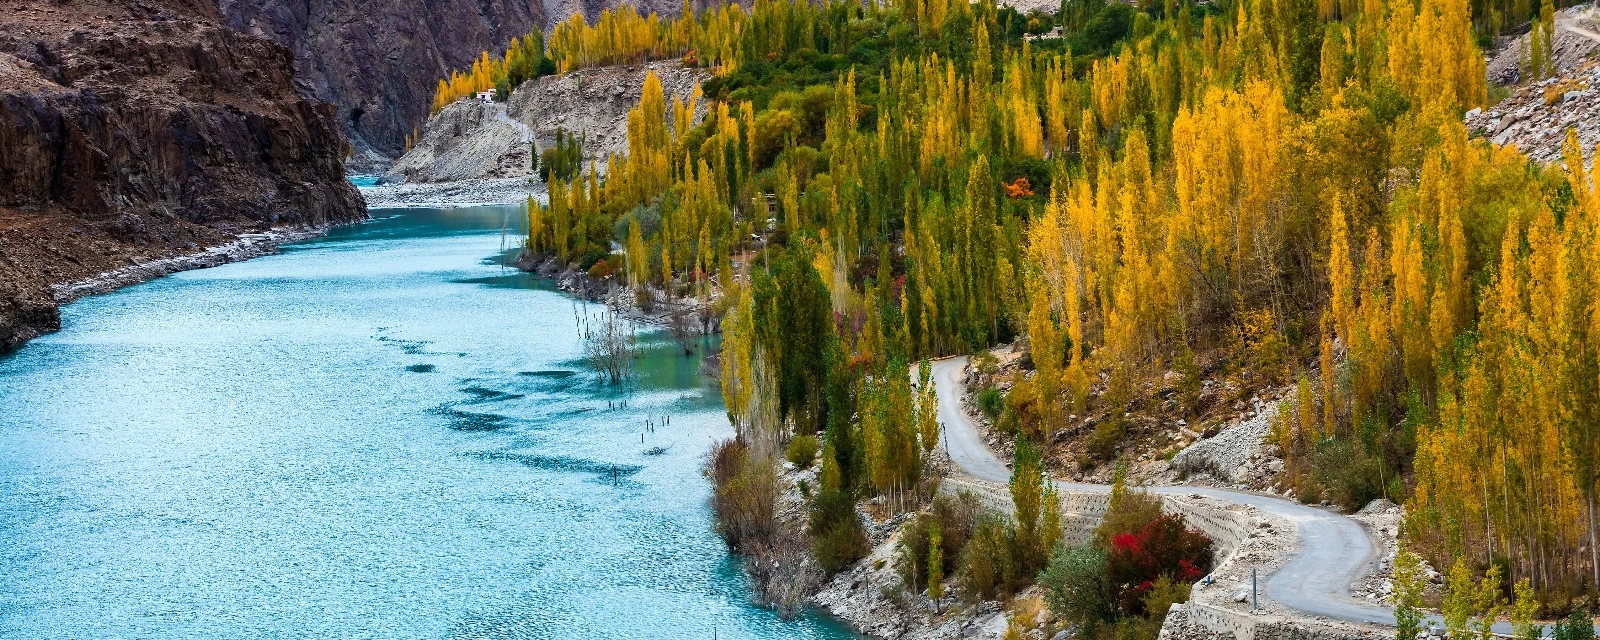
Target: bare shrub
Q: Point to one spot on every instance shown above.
(609, 343)
(985, 560)
(682, 327)
(784, 573)
(745, 496)
(956, 518)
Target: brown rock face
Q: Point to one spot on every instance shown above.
(132, 130)
(379, 60)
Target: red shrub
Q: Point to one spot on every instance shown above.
(1020, 188)
(1163, 547)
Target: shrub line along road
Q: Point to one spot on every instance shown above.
(1334, 550)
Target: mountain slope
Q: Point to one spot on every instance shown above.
(470, 139)
(378, 61)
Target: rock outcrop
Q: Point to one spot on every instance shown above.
(470, 139)
(595, 102)
(1537, 117)
(1237, 454)
(138, 130)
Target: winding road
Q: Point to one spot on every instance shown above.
(1570, 24)
(1334, 550)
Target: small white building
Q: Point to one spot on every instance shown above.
(486, 96)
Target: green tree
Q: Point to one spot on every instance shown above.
(1471, 605)
(935, 561)
(1577, 626)
(1488, 604)
(927, 409)
(1523, 612)
(1459, 594)
(1408, 588)
(1033, 496)
(803, 316)
(1077, 587)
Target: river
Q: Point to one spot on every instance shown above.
(381, 433)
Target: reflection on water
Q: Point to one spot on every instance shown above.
(377, 434)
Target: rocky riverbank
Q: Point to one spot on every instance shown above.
(141, 132)
(245, 247)
(460, 193)
(684, 316)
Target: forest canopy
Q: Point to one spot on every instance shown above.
(1284, 186)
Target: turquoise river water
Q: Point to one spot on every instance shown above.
(377, 434)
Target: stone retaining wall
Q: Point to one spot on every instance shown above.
(1183, 620)
(1081, 512)
(1230, 526)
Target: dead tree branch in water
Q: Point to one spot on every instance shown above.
(609, 343)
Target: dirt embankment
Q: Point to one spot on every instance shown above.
(467, 140)
(473, 140)
(133, 131)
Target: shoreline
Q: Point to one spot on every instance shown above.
(243, 247)
(477, 192)
(608, 291)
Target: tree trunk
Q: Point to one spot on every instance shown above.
(1594, 556)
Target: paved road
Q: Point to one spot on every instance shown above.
(1334, 550)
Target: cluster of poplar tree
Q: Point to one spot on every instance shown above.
(1286, 182)
(722, 37)
(523, 60)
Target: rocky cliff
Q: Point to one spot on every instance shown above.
(379, 60)
(137, 130)
(470, 139)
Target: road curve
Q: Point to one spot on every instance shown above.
(1570, 25)
(1334, 550)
